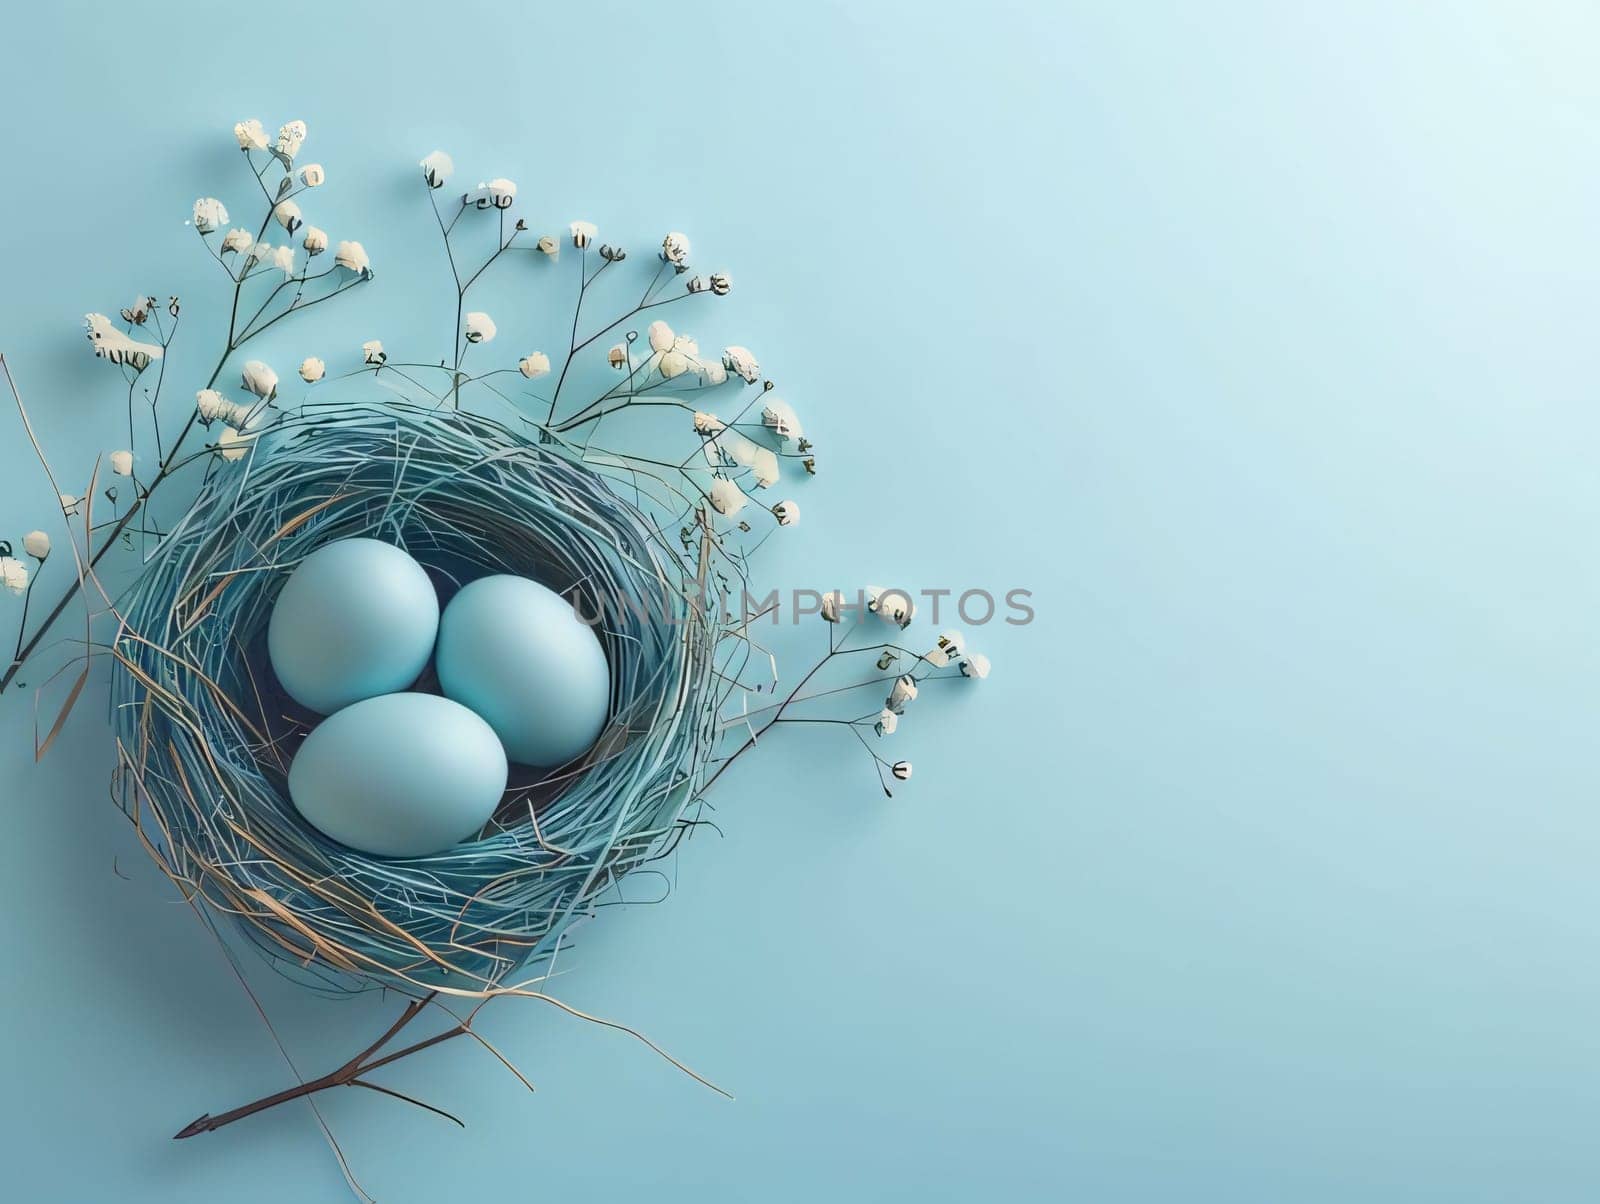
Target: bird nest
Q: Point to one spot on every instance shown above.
(205, 736)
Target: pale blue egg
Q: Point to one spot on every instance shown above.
(518, 654)
(403, 775)
(357, 618)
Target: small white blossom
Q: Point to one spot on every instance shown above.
(888, 721)
(283, 260)
(212, 405)
(675, 248)
(721, 283)
(711, 372)
(312, 369)
(697, 284)
(976, 665)
(902, 695)
(259, 379)
(548, 245)
(764, 468)
(833, 606)
(480, 327)
(233, 445)
(372, 353)
(892, 604)
(287, 214)
(113, 345)
(291, 136)
(13, 574)
(661, 336)
(353, 255)
(901, 770)
(952, 643)
(237, 240)
(259, 253)
(673, 364)
(498, 192)
(209, 213)
(582, 233)
(316, 241)
(251, 134)
(437, 168)
(534, 365)
(69, 505)
(727, 498)
(787, 513)
(122, 463)
(740, 361)
(708, 424)
(312, 175)
(617, 357)
(36, 544)
(779, 416)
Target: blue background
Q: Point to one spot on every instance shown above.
(1256, 339)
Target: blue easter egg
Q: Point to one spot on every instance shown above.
(518, 655)
(403, 775)
(357, 618)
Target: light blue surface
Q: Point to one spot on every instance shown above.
(1256, 339)
(357, 618)
(517, 653)
(404, 775)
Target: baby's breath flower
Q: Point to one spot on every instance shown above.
(353, 255)
(251, 134)
(287, 215)
(675, 249)
(36, 544)
(498, 193)
(787, 513)
(548, 245)
(721, 283)
(582, 233)
(617, 357)
(212, 405)
(902, 695)
(726, 497)
(259, 379)
(480, 327)
(312, 369)
(901, 770)
(122, 463)
(283, 260)
(372, 353)
(115, 346)
(534, 365)
(975, 665)
(674, 363)
(888, 721)
(707, 424)
(740, 361)
(779, 416)
(437, 168)
(291, 136)
(237, 240)
(312, 175)
(233, 445)
(260, 252)
(833, 606)
(892, 604)
(612, 254)
(13, 574)
(697, 284)
(660, 336)
(711, 371)
(952, 643)
(69, 505)
(209, 213)
(316, 241)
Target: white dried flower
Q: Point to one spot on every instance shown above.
(259, 379)
(287, 215)
(617, 357)
(498, 193)
(612, 254)
(892, 604)
(291, 136)
(353, 255)
(741, 362)
(711, 372)
(251, 134)
(582, 233)
(480, 327)
(952, 643)
(212, 405)
(902, 695)
(113, 345)
(661, 336)
(232, 445)
(13, 574)
(139, 312)
(673, 363)
(534, 365)
(312, 175)
(708, 424)
(697, 284)
(548, 245)
(209, 213)
(237, 240)
(437, 168)
(888, 721)
(779, 416)
(259, 253)
(69, 505)
(937, 657)
(36, 544)
(764, 468)
(833, 606)
(787, 513)
(316, 241)
(721, 283)
(372, 353)
(283, 260)
(726, 497)
(901, 770)
(975, 664)
(122, 463)
(675, 248)
(312, 369)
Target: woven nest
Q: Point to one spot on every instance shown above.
(205, 736)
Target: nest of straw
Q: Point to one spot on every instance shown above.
(205, 737)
